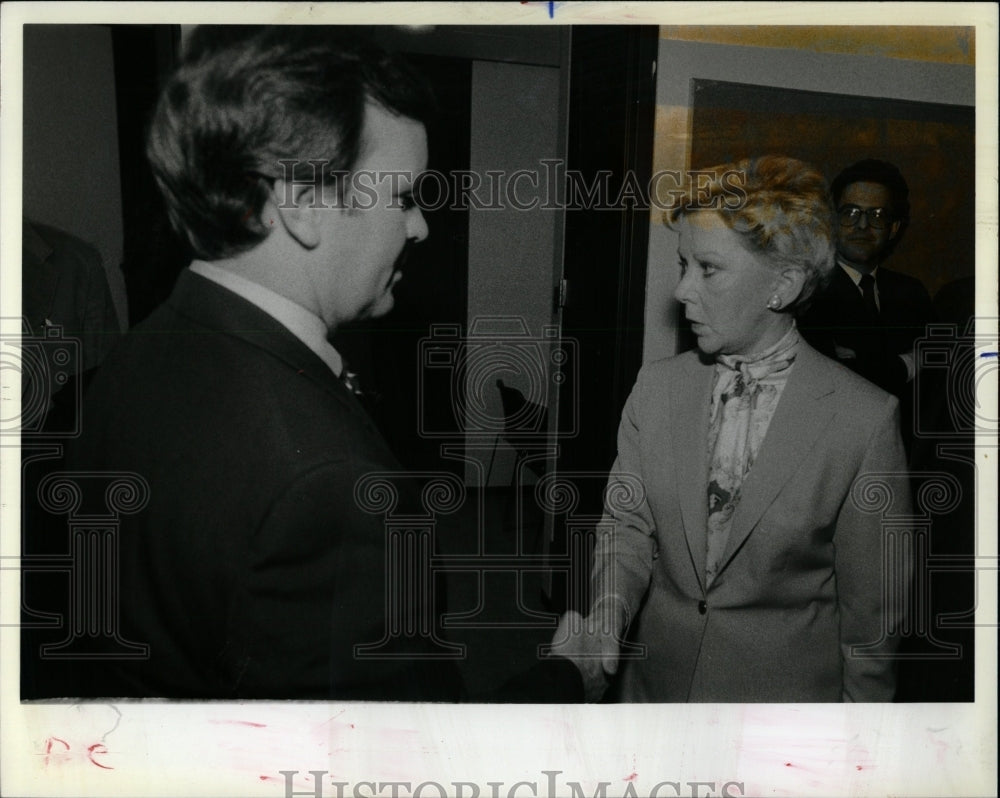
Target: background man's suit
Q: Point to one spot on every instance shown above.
(63, 283)
(802, 578)
(838, 316)
(252, 572)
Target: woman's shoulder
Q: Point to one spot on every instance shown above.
(689, 362)
(863, 396)
(669, 376)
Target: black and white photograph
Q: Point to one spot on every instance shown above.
(499, 399)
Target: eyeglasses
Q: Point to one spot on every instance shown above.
(877, 218)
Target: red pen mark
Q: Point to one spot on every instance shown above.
(633, 777)
(64, 754)
(97, 748)
(788, 765)
(48, 747)
(243, 722)
(858, 767)
(268, 778)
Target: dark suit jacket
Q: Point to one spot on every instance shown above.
(802, 582)
(63, 284)
(252, 572)
(837, 316)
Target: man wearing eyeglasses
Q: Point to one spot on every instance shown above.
(870, 316)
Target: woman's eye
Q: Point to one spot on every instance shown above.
(684, 266)
(407, 201)
(708, 269)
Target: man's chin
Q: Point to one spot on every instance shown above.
(858, 251)
(384, 306)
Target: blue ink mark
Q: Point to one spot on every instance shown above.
(987, 354)
(552, 9)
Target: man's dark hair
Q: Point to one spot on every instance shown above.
(885, 174)
(246, 98)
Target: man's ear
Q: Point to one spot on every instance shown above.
(295, 207)
(791, 280)
(894, 230)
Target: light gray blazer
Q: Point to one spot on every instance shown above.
(803, 581)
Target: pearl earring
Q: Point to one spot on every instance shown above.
(774, 302)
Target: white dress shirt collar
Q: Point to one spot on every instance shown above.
(853, 273)
(856, 276)
(301, 323)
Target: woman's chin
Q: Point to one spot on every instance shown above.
(707, 345)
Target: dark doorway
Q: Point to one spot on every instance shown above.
(611, 115)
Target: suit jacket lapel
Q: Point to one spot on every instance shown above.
(221, 309)
(804, 411)
(849, 303)
(40, 281)
(690, 461)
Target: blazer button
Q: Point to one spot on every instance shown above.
(702, 607)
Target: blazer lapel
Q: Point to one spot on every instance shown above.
(690, 460)
(804, 411)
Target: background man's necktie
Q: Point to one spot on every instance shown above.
(868, 294)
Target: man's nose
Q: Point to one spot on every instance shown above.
(863, 220)
(416, 225)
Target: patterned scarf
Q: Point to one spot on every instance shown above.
(744, 398)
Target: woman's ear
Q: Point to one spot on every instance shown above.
(791, 281)
(295, 207)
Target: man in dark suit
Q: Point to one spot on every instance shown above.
(869, 316)
(63, 284)
(287, 159)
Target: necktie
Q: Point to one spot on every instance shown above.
(868, 296)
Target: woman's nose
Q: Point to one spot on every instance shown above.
(682, 293)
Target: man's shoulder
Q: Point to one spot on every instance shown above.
(897, 280)
(61, 242)
(174, 365)
(833, 293)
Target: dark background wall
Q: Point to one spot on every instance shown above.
(932, 144)
(71, 169)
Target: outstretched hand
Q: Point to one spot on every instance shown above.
(591, 646)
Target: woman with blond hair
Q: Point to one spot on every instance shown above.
(748, 570)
